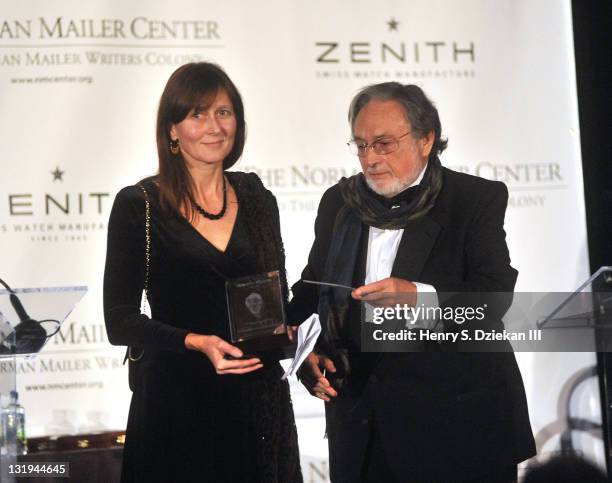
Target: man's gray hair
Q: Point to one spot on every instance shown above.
(421, 114)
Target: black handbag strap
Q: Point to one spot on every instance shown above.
(147, 240)
(147, 265)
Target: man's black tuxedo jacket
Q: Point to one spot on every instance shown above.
(438, 415)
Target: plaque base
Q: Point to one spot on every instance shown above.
(262, 344)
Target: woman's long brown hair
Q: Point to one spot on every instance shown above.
(191, 86)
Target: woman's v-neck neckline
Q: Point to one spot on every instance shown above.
(233, 231)
(207, 241)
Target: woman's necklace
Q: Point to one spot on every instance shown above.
(206, 214)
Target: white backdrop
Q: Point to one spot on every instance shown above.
(79, 85)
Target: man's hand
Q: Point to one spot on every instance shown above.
(216, 348)
(387, 292)
(292, 333)
(322, 388)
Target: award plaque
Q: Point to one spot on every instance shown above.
(256, 313)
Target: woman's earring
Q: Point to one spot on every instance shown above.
(173, 145)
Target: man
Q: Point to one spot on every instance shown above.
(406, 225)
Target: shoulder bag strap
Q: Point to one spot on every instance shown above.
(145, 298)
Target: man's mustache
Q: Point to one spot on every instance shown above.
(374, 172)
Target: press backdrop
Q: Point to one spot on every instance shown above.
(79, 87)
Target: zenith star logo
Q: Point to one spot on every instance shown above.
(58, 202)
(392, 23)
(395, 50)
(57, 174)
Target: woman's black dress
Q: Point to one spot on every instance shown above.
(186, 423)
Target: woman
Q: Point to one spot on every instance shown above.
(197, 415)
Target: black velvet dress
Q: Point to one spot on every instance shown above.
(186, 423)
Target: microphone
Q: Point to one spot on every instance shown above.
(18, 306)
(30, 335)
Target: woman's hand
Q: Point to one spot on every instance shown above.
(215, 349)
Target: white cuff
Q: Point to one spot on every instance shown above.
(430, 300)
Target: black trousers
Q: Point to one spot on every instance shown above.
(365, 446)
(376, 468)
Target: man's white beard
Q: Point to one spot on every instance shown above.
(390, 189)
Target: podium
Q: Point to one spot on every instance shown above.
(29, 318)
(590, 306)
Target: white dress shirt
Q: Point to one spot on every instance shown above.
(382, 250)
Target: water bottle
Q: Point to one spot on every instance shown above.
(13, 426)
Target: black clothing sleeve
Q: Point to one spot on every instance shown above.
(124, 280)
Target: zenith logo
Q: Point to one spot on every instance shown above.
(398, 52)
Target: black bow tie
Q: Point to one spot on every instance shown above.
(401, 199)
